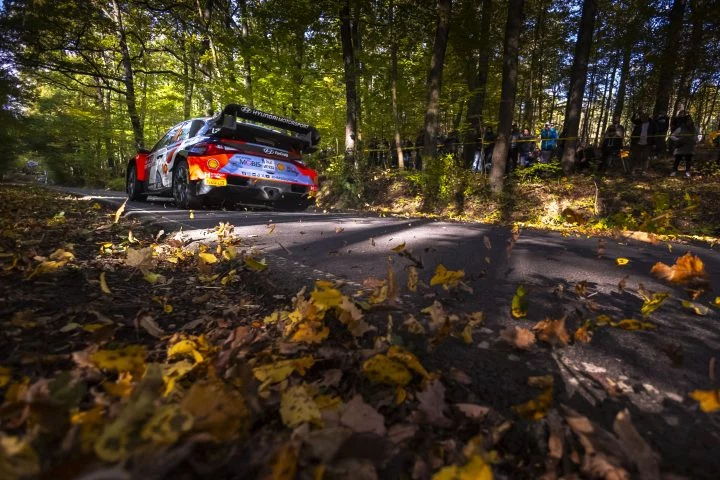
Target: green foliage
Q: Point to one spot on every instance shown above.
(540, 171)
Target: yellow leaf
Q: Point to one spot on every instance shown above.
(476, 469)
(230, 252)
(92, 327)
(298, 407)
(328, 402)
(602, 320)
(326, 297)
(153, 278)
(120, 211)
(653, 303)
(716, 302)
(583, 335)
(103, 284)
(254, 265)
(413, 326)
(279, 371)
(166, 425)
(632, 324)
(536, 408)
(128, 359)
(18, 459)
(699, 309)
(94, 415)
(5, 376)
(408, 359)
(285, 462)
(191, 214)
(191, 346)
(208, 258)
(122, 388)
(383, 369)
(447, 278)
(174, 372)
(709, 399)
(622, 261)
(167, 308)
(412, 278)
(688, 270)
(217, 409)
(467, 334)
(307, 334)
(552, 331)
(519, 305)
(398, 248)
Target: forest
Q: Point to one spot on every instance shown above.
(86, 83)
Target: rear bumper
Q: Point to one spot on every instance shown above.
(243, 189)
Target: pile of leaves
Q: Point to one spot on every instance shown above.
(131, 353)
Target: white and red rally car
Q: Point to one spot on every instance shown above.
(226, 160)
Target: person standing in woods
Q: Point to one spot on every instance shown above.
(526, 147)
(489, 145)
(661, 127)
(513, 151)
(641, 142)
(611, 144)
(549, 142)
(684, 137)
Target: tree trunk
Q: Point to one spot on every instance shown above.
(507, 95)
(206, 63)
(603, 101)
(351, 95)
(357, 49)
(393, 88)
(477, 85)
(609, 97)
(128, 78)
(624, 72)
(434, 81)
(246, 53)
(692, 56)
(577, 83)
(538, 36)
(669, 56)
(585, 135)
(297, 76)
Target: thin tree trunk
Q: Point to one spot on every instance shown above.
(692, 56)
(624, 72)
(246, 53)
(393, 87)
(538, 37)
(585, 135)
(577, 83)
(507, 95)
(206, 63)
(357, 51)
(602, 111)
(610, 95)
(298, 71)
(128, 78)
(477, 84)
(434, 81)
(669, 56)
(351, 95)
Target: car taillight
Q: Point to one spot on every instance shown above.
(209, 148)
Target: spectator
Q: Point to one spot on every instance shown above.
(526, 147)
(582, 159)
(684, 137)
(611, 144)
(641, 142)
(407, 151)
(679, 120)
(661, 128)
(549, 142)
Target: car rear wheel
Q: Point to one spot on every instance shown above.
(134, 187)
(184, 190)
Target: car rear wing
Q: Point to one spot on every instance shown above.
(306, 134)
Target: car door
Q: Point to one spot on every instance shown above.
(175, 145)
(156, 160)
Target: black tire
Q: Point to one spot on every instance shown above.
(183, 189)
(134, 187)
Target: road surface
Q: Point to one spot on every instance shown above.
(619, 369)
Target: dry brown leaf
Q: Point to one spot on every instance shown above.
(432, 403)
(361, 417)
(148, 323)
(552, 331)
(472, 411)
(520, 338)
(688, 270)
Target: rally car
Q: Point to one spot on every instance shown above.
(224, 160)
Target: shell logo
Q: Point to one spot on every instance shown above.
(213, 164)
(165, 168)
(280, 167)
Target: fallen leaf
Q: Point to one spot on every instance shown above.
(297, 407)
(541, 381)
(536, 408)
(5, 376)
(698, 308)
(361, 417)
(166, 425)
(552, 332)
(148, 323)
(472, 411)
(103, 284)
(632, 324)
(255, 265)
(519, 303)
(709, 399)
(284, 465)
(447, 278)
(278, 371)
(191, 214)
(520, 338)
(408, 359)
(653, 303)
(398, 248)
(127, 359)
(486, 242)
(621, 261)
(687, 270)
(382, 369)
(413, 326)
(432, 403)
(207, 258)
(583, 334)
(18, 459)
(153, 278)
(217, 409)
(139, 258)
(412, 279)
(120, 211)
(475, 469)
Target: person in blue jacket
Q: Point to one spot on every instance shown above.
(549, 142)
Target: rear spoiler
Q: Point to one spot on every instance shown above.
(308, 134)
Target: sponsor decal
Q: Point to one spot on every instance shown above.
(213, 163)
(273, 151)
(164, 168)
(280, 167)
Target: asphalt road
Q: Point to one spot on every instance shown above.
(307, 246)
